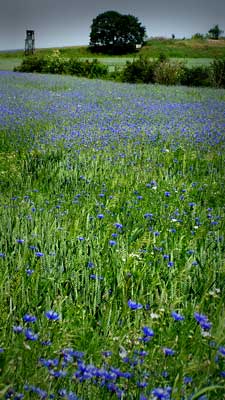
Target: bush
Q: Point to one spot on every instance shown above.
(55, 63)
(167, 73)
(95, 69)
(196, 76)
(141, 70)
(217, 73)
(32, 64)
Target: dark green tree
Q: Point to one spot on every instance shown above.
(215, 32)
(112, 32)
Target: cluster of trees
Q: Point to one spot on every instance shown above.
(214, 33)
(115, 33)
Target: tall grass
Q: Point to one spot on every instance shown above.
(112, 240)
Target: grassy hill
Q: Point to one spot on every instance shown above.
(205, 50)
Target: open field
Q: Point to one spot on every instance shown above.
(111, 240)
(193, 52)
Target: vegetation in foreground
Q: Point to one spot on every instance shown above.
(112, 240)
(140, 70)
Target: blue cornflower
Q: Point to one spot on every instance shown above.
(114, 235)
(106, 353)
(177, 316)
(170, 264)
(18, 329)
(29, 271)
(2, 255)
(112, 242)
(222, 350)
(187, 380)
(203, 321)
(100, 216)
(52, 315)
(80, 238)
(133, 305)
(39, 254)
(20, 240)
(148, 215)
(29, 318)
(167, 194)
(147, 331)
(118, 225)
(168, 352)
(30, 335)
(162, 393)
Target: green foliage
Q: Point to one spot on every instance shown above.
(196, 76)
(168, 73)
(141, 70)
(57, 64)
(114, 33)
(32, 64)
(198, 36)
(215, 32)
(217, 69)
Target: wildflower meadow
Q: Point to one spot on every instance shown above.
(112, 244)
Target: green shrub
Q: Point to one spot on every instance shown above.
(32, 64)
(168, 73)
(55, 63)
(95, 69)
(140, 70)
(196, 76)
(217, 73)
(75, 67)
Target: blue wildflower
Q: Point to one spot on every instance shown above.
(39, 254)
(134, 306)
(177, 316)
(29, 318)
(112, 242)
(203, 321)
(30, 335)
(52, 315)
(147, 331)
(168, 352)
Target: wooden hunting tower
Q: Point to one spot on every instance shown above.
(29, 43)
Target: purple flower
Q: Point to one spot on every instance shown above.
(147, 331)
(133, 305)
(170, 264)
(168, 352)
(39, 254)
(20, 240)
(29, 318)
(203, 321)
(222, 350)
(18, 329)
(118, 225)
(30, 335)
(177, 316)
(112, 242)
(162, 393)
(52, 315)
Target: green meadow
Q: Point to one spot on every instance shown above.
(112, 240)
(193, 52)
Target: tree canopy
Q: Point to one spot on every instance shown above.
(112, 32)
(215, 32)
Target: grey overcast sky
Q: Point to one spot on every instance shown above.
(67, 22)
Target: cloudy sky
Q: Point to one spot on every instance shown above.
(67, 22)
